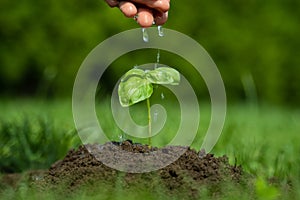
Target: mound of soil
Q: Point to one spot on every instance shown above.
(191, 171)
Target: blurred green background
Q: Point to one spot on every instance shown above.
(254, 43)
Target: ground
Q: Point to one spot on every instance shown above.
(188, 176)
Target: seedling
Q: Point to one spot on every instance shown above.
(137, 85)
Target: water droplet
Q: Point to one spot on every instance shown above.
(157, 56)
(162, 96)
(135, 67)
(122, 138)
(160, 31)
(145, 35)
(157, 59)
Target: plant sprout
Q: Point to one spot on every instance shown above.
(137, 85)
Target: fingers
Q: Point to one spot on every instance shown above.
(161, 18)
(160, 5)
(147, 11)
(145, 17)
(159, 12)
(128, 8)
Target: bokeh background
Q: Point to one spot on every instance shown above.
(254, 43)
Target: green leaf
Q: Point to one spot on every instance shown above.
(163, 75)
(133, 72)
(134, 89)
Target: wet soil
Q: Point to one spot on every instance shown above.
(191, 172)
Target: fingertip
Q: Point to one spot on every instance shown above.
(161, 5)
(128, 8)
(145, 23)
(145, 17)
(161, 18)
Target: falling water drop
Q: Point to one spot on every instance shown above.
(162, 96)
(157, 59)
(160, 31)
(145, 35)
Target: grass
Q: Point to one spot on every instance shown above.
(32, 137)
(263, 139)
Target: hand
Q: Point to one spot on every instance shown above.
(144, 11)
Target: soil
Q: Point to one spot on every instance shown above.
(191, 172)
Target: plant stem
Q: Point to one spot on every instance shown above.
(149, 122)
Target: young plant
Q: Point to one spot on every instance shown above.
(137, 85)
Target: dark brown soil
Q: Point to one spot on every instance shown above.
(191, 172)
(80, 170)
